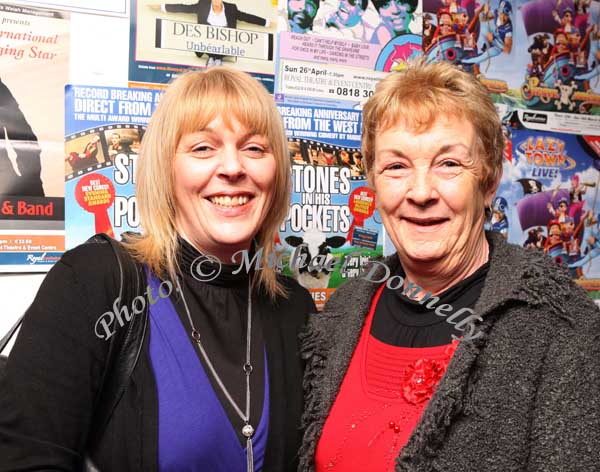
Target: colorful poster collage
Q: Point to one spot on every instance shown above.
(31, 136)
(322, 59)
(332, 214)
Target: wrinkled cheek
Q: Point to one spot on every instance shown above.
(472, 224)
(386, 211)
(388, 196)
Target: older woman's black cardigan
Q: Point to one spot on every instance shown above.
(55, 368)
(523, 397)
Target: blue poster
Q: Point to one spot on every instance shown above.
(333, 227)
(103, 130)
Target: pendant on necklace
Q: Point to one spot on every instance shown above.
(248, 431)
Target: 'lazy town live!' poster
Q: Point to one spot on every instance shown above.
(549, 200)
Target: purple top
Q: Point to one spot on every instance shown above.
(194, 432)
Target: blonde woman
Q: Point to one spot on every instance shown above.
(217, 382)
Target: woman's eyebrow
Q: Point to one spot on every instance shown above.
(442, 150)
(251, 134)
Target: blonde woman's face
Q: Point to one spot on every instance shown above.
(224, 181)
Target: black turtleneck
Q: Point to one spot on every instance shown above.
(402, 321)
(219, 311)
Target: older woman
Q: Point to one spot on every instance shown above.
(387, 388)
(217, 382)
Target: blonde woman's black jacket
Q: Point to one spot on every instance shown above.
(525, 396)
(52, 379)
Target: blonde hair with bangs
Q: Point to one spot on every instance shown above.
(423, 93)
(190, 103)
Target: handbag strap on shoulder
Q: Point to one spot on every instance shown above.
(125, 345)
(11, 332)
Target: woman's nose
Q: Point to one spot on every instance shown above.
(421, 190)
(231, 163)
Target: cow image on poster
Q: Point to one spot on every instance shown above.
(311, 261)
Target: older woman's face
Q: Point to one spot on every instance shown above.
(224, 180)
(427, 190)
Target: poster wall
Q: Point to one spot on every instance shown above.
(169, 38)
(31, 136)
(103, 130)
(322, 60)
(332, 219)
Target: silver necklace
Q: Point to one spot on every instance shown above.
(247, 429)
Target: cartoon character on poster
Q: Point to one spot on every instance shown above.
(351, 19)
(396, 17)
(467, 33)
(563, 72)
(552, 185)
(487, 38)
(498, 219)
(540, 54)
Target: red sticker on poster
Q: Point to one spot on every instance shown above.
(362, 206)
(508, 150)
(96, 193)
(594, 143)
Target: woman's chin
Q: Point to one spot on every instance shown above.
(240, 241)
(423, 253)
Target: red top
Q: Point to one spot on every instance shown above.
(379, 403)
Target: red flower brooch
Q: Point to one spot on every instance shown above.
(421, 377)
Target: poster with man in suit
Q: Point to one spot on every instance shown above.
(172, 37)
